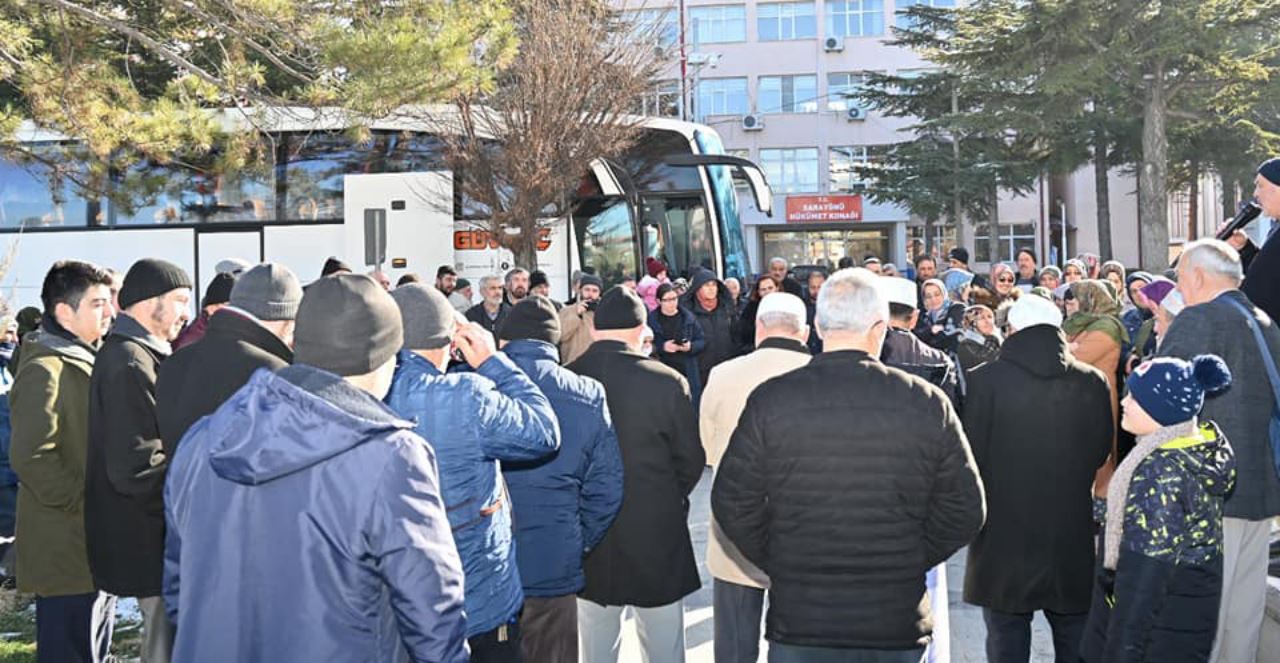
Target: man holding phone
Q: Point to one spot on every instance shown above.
(577, 320)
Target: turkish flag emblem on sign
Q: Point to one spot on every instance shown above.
(824, 209)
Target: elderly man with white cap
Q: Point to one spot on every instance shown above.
(905, 351)
(1040, 425)
(781, 334)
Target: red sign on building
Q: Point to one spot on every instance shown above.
(824, 209)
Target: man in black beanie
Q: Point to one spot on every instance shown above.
(303, 495)
(125, 469)
(564, 505)
(1262, 264)
(576, 319)
(646, 559)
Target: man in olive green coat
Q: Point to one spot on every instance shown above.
(49, 402)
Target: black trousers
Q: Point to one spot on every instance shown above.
(549, 629)
(501, 645)
(1009, 636)
(74, 628)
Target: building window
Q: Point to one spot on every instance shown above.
(842, 162)
(778, 21)
(855, 18)
(663, 100)
(791, 170)
(1013, 238)
(842, 89)
(944, 239)
(904, 22)
(722, 96)
(788, 94)
(662, 26)
(718, 24)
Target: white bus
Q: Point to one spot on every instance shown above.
(672, 196)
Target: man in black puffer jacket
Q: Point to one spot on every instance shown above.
(846, 497)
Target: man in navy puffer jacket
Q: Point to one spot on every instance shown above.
(473, 421)
(563, 503)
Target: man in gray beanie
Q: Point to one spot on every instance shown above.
(304, 495)
(254, 330)
(473, 421)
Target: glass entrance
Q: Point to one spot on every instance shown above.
(825, 247)
(677, 231)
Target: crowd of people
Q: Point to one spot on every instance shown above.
(353, 471)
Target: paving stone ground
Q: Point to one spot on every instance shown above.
(967, 630)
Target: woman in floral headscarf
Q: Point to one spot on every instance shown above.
(1096, 335)
(941, 320)
(1004, 284)
(979, 340)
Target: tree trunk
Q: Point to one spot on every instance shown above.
(993, 228)
(1193, 206)
(929, 223)
(1153, 203)
(524, 250)
(1102, 193)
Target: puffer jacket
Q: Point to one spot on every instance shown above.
(684, 362)
(904, 351)
(49, 402)
(846, 497)
(473, 421)
(1161, 602)
(563, 503)
(717, 325)
(305, 524)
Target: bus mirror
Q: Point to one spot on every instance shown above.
(760, 188)
(375, 236)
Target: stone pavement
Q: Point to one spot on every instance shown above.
(967, 630)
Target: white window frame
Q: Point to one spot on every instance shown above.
(663, 99)
(899, 6)
(1009, 239)
(855, 18)
(788, 169)
(718, 94)
(836, 99)
(848, 157)
(668, 19)
(802, 101)
(715, 24)
(785, 16)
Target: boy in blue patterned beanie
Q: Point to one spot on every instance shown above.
(1158, 586)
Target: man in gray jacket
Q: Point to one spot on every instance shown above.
(1214, 322)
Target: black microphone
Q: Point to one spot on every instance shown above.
(1250, 211)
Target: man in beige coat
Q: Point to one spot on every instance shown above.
(577, 320)
(781, 334)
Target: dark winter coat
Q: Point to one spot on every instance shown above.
(49, 403)
(950, 318)
(686, 363)
(971, 352)
(473, 421)
(1160, 605)
(646, 558)
(480, 316)
(903, 351)
(124, 474)
(717, 325)
(1262, 274)
(1243, 410)
(564, 503)
(306, 524)
(846, 498)
(1040, 425)
(192, 332)
(199, 378)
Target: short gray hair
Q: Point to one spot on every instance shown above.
(491, 278)
(850, 301)
(778, 259)
(1215, 257)
(782, 321)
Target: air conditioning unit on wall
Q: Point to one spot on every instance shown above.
(855, 114)
(833, 44)
(752, 123)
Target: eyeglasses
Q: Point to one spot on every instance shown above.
(1006, 280)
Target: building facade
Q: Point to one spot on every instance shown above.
(776, 80)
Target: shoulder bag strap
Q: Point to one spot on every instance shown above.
(1267, 359)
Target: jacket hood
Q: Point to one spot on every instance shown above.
(281, 423)
(530, 349)
(1040, 349)
(700, 278)
(1210, 458)
(41, 343)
